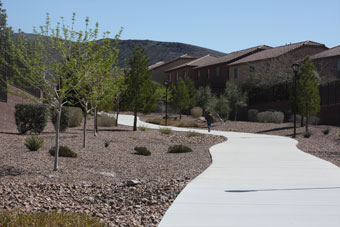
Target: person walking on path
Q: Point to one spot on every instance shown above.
(209, 120)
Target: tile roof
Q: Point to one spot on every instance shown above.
(335, 51)
(195, 63)
(234, 55)
(158, 64)
(275, 52)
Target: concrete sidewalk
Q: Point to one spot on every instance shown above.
(257, 180)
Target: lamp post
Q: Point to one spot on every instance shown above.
(166, 84)
(295, 69)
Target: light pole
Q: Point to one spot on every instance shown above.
(166, 84)
(295, 69)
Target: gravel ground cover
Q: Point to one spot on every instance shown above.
(95, 181)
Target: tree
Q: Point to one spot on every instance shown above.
(137, 83)
(192, 91)
(222, 107)
(204, 97)
(308, 98)
(180, 97)
(52, 61)
(5, 34)
(236, 97)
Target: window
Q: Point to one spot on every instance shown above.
(217, 71)
(177, 76)
(236, 73)
(198, 75)
(208, 73)
(169, 77)
(185, 74)
(338, 66)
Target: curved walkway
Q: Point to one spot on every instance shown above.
(257, 180)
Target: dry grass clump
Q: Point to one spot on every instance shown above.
(33, 143)
(46, 219)
(104, 120)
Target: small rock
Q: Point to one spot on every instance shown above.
(132, 182)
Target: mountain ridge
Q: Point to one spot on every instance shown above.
(156, 50)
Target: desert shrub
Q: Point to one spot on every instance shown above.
(192, 134)
(143, 128)
(142, 151)
(326, 131)
(252, 114)
(307, 134)
(30, 117)
(33, 143)
(270, 117)
(107, 143)
(64, 151)
(179, 149)
(196, 112)
(166, 131)
(75, 116)
(64, 120)
(105, 120)
(46, 219)
(156, 121)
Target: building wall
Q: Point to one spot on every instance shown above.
(158, 74)
(271, 71)
(7, 121)
(328, 68)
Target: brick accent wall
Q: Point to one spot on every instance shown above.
(7, 120)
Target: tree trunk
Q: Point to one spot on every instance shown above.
(117, 113)
(95, 122)
(180, 115)
(302, 120)
(235, 117)
(56, 154)
(84, 128)
(96, 119)
(135, 121)
(307, 122)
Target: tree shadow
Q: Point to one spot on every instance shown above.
(282, 189)
(10, 171)
(275, 129)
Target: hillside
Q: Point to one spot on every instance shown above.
(161, 51)
(157, 51)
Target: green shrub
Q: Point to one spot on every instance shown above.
(192, 134)
(196, 112)
(326, 131)
(252, 114)
(30, 117)
(166, 131)
(75, 116)
(179, 149)
(307, 134)
(33, 143)
(270, 117)
(47, 219)
(64, 120)
(142, 151)
(64, 151)
(104, 120)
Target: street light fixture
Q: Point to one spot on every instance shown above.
(295, 67)
(166, 84)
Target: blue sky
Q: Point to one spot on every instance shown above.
(221, 25)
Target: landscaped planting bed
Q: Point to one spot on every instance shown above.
(95, 182)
